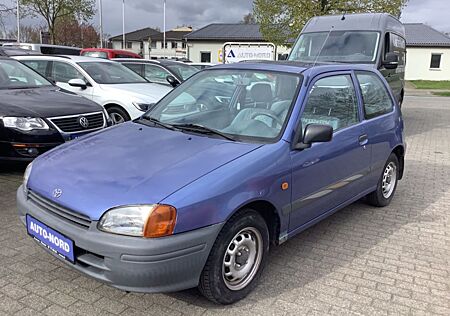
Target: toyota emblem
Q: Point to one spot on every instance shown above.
(84, 122)
(57, 193)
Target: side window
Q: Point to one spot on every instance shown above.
(137, 68)
(397, 44)
(332, 101)
(63, 72)
(375, 96)
(156, 74)
(38, 65)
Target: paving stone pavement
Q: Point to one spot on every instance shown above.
(362, 260)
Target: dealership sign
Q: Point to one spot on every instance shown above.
(236, 52)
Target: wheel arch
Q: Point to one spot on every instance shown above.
(270, 215)
(109, 105)
(399, 151)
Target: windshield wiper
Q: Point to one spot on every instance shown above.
(157, 122)
(202, 130)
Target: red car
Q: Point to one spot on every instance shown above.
(108, 53)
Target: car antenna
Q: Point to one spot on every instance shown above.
(343, 16)
(320, 51)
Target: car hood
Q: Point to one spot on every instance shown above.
(43, 102)
(148, 92)
(129, 164)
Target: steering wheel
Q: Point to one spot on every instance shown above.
(271, 115)
(205, 103)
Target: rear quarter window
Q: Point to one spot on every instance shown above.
(376, 98)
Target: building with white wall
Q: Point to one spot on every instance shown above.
(149, 43)
(206, 44)
(427, 53)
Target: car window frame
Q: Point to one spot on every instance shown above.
(387, 90)
(158, 66)
(299, 126)
(68, 64)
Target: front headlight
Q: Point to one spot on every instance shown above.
(25, 123)
(143, 106)
(26, 175)
(148, 221)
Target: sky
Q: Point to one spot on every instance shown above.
(149, 13)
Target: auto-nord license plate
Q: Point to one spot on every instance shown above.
(50, 238)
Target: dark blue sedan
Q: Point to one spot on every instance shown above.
(237, 159)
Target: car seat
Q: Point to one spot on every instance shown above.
(261, 94)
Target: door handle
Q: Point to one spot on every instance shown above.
(363, 139)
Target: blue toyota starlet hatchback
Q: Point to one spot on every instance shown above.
(236, 159)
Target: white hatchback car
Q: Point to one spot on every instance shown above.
(124, 94)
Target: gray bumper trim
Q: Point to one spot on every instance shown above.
(133, 264)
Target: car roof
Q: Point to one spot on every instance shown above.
(151, 61)
(14, 51)
(292, 66)
(67, 57)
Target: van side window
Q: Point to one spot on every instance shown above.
(332, 101)
(377, 100)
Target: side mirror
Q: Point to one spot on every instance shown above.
(391, 60)
(173, 81)
(315, 133)
(79, 83)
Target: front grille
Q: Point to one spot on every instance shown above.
(71, 124)
(59, 211)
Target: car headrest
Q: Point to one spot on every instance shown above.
(262, 92)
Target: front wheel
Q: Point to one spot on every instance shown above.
(237, 258)
(387, 184)
(117, 114)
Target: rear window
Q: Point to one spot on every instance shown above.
(95, 54)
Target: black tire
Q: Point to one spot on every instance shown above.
(379, 197)
(212, 280)
(116, 112)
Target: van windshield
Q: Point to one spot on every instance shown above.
(338, 46)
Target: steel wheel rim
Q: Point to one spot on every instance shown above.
(117, 118)
(389, 180)
(242, 258)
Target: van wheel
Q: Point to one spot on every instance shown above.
(237, 258)
(118, 115)
(387, 184)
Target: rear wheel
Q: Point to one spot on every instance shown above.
(387, 184)
(237, 258)
(118, 115)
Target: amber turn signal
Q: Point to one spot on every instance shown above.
(161, 222)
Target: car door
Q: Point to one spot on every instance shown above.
(381, 120)
(63, 72)
(329, 174)
(394, 43)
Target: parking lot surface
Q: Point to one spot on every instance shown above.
(361, 260)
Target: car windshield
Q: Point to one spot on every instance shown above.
(183, 71)
(336, 46)
(245, 105)
(15, 75)
(95, 54)
(111, 73)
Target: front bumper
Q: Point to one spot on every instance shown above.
(129, 263)
(20, 151)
